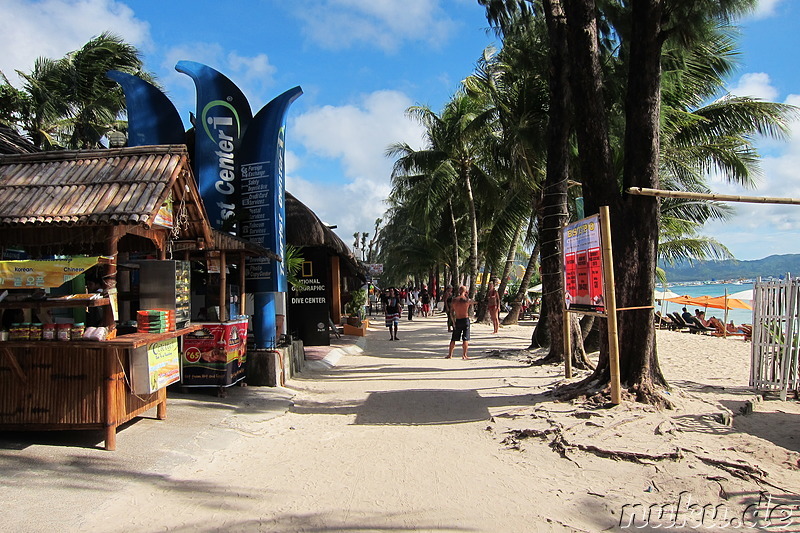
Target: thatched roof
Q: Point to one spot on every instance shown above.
(12, 142)
(94, 187)
(52, 198)
(304, 228)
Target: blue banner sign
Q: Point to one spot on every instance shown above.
(223, 114)
(263, 192)
(152, 118)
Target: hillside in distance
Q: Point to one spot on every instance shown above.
(772, 266)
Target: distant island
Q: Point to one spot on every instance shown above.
(773, 266)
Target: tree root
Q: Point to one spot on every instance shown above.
(595, 390)
(562, 446)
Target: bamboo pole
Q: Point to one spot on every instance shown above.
(565, 324)
(242, 282)
(567, 346)
(611, 305)
(641, 191)
(223, 281)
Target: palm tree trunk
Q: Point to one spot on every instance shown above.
(509, 264)
(635, 221)
(454, 229)
(473, 222)
(554, 199)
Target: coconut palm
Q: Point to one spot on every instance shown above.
(70, 102)
(451, 165)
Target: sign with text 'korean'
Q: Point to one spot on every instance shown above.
(583, 266)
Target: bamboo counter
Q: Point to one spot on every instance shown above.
(64, 385)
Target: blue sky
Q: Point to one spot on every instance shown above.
(361, 63)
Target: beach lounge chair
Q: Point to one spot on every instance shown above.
(697, 327)
(664, 322)
(693, 327)
(720, 330)
(679, 321)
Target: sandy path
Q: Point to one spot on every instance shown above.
(400, 439)
(397, 440)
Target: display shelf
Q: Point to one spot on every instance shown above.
(40, 304)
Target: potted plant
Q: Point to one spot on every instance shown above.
(355, 307)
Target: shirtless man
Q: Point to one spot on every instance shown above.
(459, 308)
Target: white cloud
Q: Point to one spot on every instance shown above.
(52, 28)
(351, 140)
(766, 8)
(253, 75)
(758, 230)
(385, 24)
(755, 85)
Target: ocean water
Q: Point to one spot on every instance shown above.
(739, 316)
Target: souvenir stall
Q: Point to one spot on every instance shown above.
(102, 205)
(215, 355)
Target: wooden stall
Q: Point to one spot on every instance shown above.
(75, 203)
(75, 384)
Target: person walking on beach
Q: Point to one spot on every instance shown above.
(392, 308)
(425, 299)
(460, 309)
(493, 305)
(411, 300)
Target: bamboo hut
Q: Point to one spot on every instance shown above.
(107, 203)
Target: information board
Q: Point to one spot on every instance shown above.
(583, 266)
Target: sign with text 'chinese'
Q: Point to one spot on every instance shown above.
(583, 266)
(29, 274)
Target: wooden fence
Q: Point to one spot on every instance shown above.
(776, 336)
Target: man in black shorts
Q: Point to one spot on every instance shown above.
(459, 308)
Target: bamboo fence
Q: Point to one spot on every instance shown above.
(776, 336)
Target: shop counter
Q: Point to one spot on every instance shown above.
(64, 385)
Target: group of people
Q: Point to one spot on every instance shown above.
(456, 307)
(714, 322)
(394, 300)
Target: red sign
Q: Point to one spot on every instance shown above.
(583, 266)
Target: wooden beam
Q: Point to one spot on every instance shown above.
(640, 191)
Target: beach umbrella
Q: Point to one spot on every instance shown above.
(666, 294)
(742, 295)
(727, 303)
(697, 301)
(536, 289)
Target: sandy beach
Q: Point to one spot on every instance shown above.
(394, 437)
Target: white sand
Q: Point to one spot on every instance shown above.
(400, 439)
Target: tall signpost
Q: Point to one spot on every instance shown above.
(263, 204)
(589, 285)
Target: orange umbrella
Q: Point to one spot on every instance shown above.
(722, 302)
(715, 302)
(697, 301)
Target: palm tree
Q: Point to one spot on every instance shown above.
(70, 102)
(450, 166)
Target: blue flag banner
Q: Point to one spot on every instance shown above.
(223, 114)
(263, 192)
(152, 118)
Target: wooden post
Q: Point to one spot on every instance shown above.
(223, 281)
(336, 290)
(567, 346)
(110, 281)
(161, 408)
(242, 281)
(611, 305)
(110, 398)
